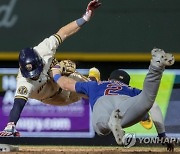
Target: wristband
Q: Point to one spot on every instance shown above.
(80, 22)
(56, 77)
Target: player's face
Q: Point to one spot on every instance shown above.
(35, 78)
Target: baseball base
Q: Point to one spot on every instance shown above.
(8, 148)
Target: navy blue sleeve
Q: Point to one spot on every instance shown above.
(18, 106)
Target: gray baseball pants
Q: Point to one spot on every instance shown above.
(133, 109)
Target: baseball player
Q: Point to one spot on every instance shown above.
(155, 111)
(121, 75)
(116, 105)
(35, 78)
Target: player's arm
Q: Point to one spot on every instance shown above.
(75, 26)
(14, 116)
(63, 81)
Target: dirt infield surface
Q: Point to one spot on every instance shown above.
(88, 150)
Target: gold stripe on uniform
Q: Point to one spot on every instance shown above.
(25, 98)
(58, 38)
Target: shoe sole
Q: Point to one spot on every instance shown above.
(114, 124)
(167, 59)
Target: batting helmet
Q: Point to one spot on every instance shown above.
(30, 63)
(120, 75)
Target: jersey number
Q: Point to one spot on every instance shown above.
(112, 89)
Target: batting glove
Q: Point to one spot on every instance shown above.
(94, 4)
(10, 130)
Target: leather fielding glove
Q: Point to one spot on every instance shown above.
(10, 130)
(94, 4)
(67, 67)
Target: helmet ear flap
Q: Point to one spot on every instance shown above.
(30, 63)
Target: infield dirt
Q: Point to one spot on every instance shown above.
(89, 150)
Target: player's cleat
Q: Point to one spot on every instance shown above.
(115, 126)
(94, 74)
(147, 124)
(160, 58)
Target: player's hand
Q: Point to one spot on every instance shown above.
(10, 130)
(169, 143)
(67, 67)
(94, 4)
(170, 146)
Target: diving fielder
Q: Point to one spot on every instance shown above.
(116, 105)
(35, 79)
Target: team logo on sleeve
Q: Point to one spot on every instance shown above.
(22, 90)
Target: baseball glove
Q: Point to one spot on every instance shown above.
(67, 67)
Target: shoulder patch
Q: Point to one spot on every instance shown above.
(22, 90)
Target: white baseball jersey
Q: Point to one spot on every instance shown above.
(45, 88)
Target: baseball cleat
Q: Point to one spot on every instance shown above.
(94, 74)
(160, 58)
(147, 124)
(115, 126)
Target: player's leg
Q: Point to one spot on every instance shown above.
(106, 117)
(157, 118)
(146, 121)
(142, 103)
(100, 116)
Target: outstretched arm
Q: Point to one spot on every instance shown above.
(63, 81)
(75, 26)
(14, 116)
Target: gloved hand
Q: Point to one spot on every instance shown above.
(67, 67)
(169, 143)
(94, 4)
(170, 146)
(9, 130)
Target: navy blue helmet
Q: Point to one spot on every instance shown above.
(30, 63)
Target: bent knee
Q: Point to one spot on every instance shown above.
(102, 129)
